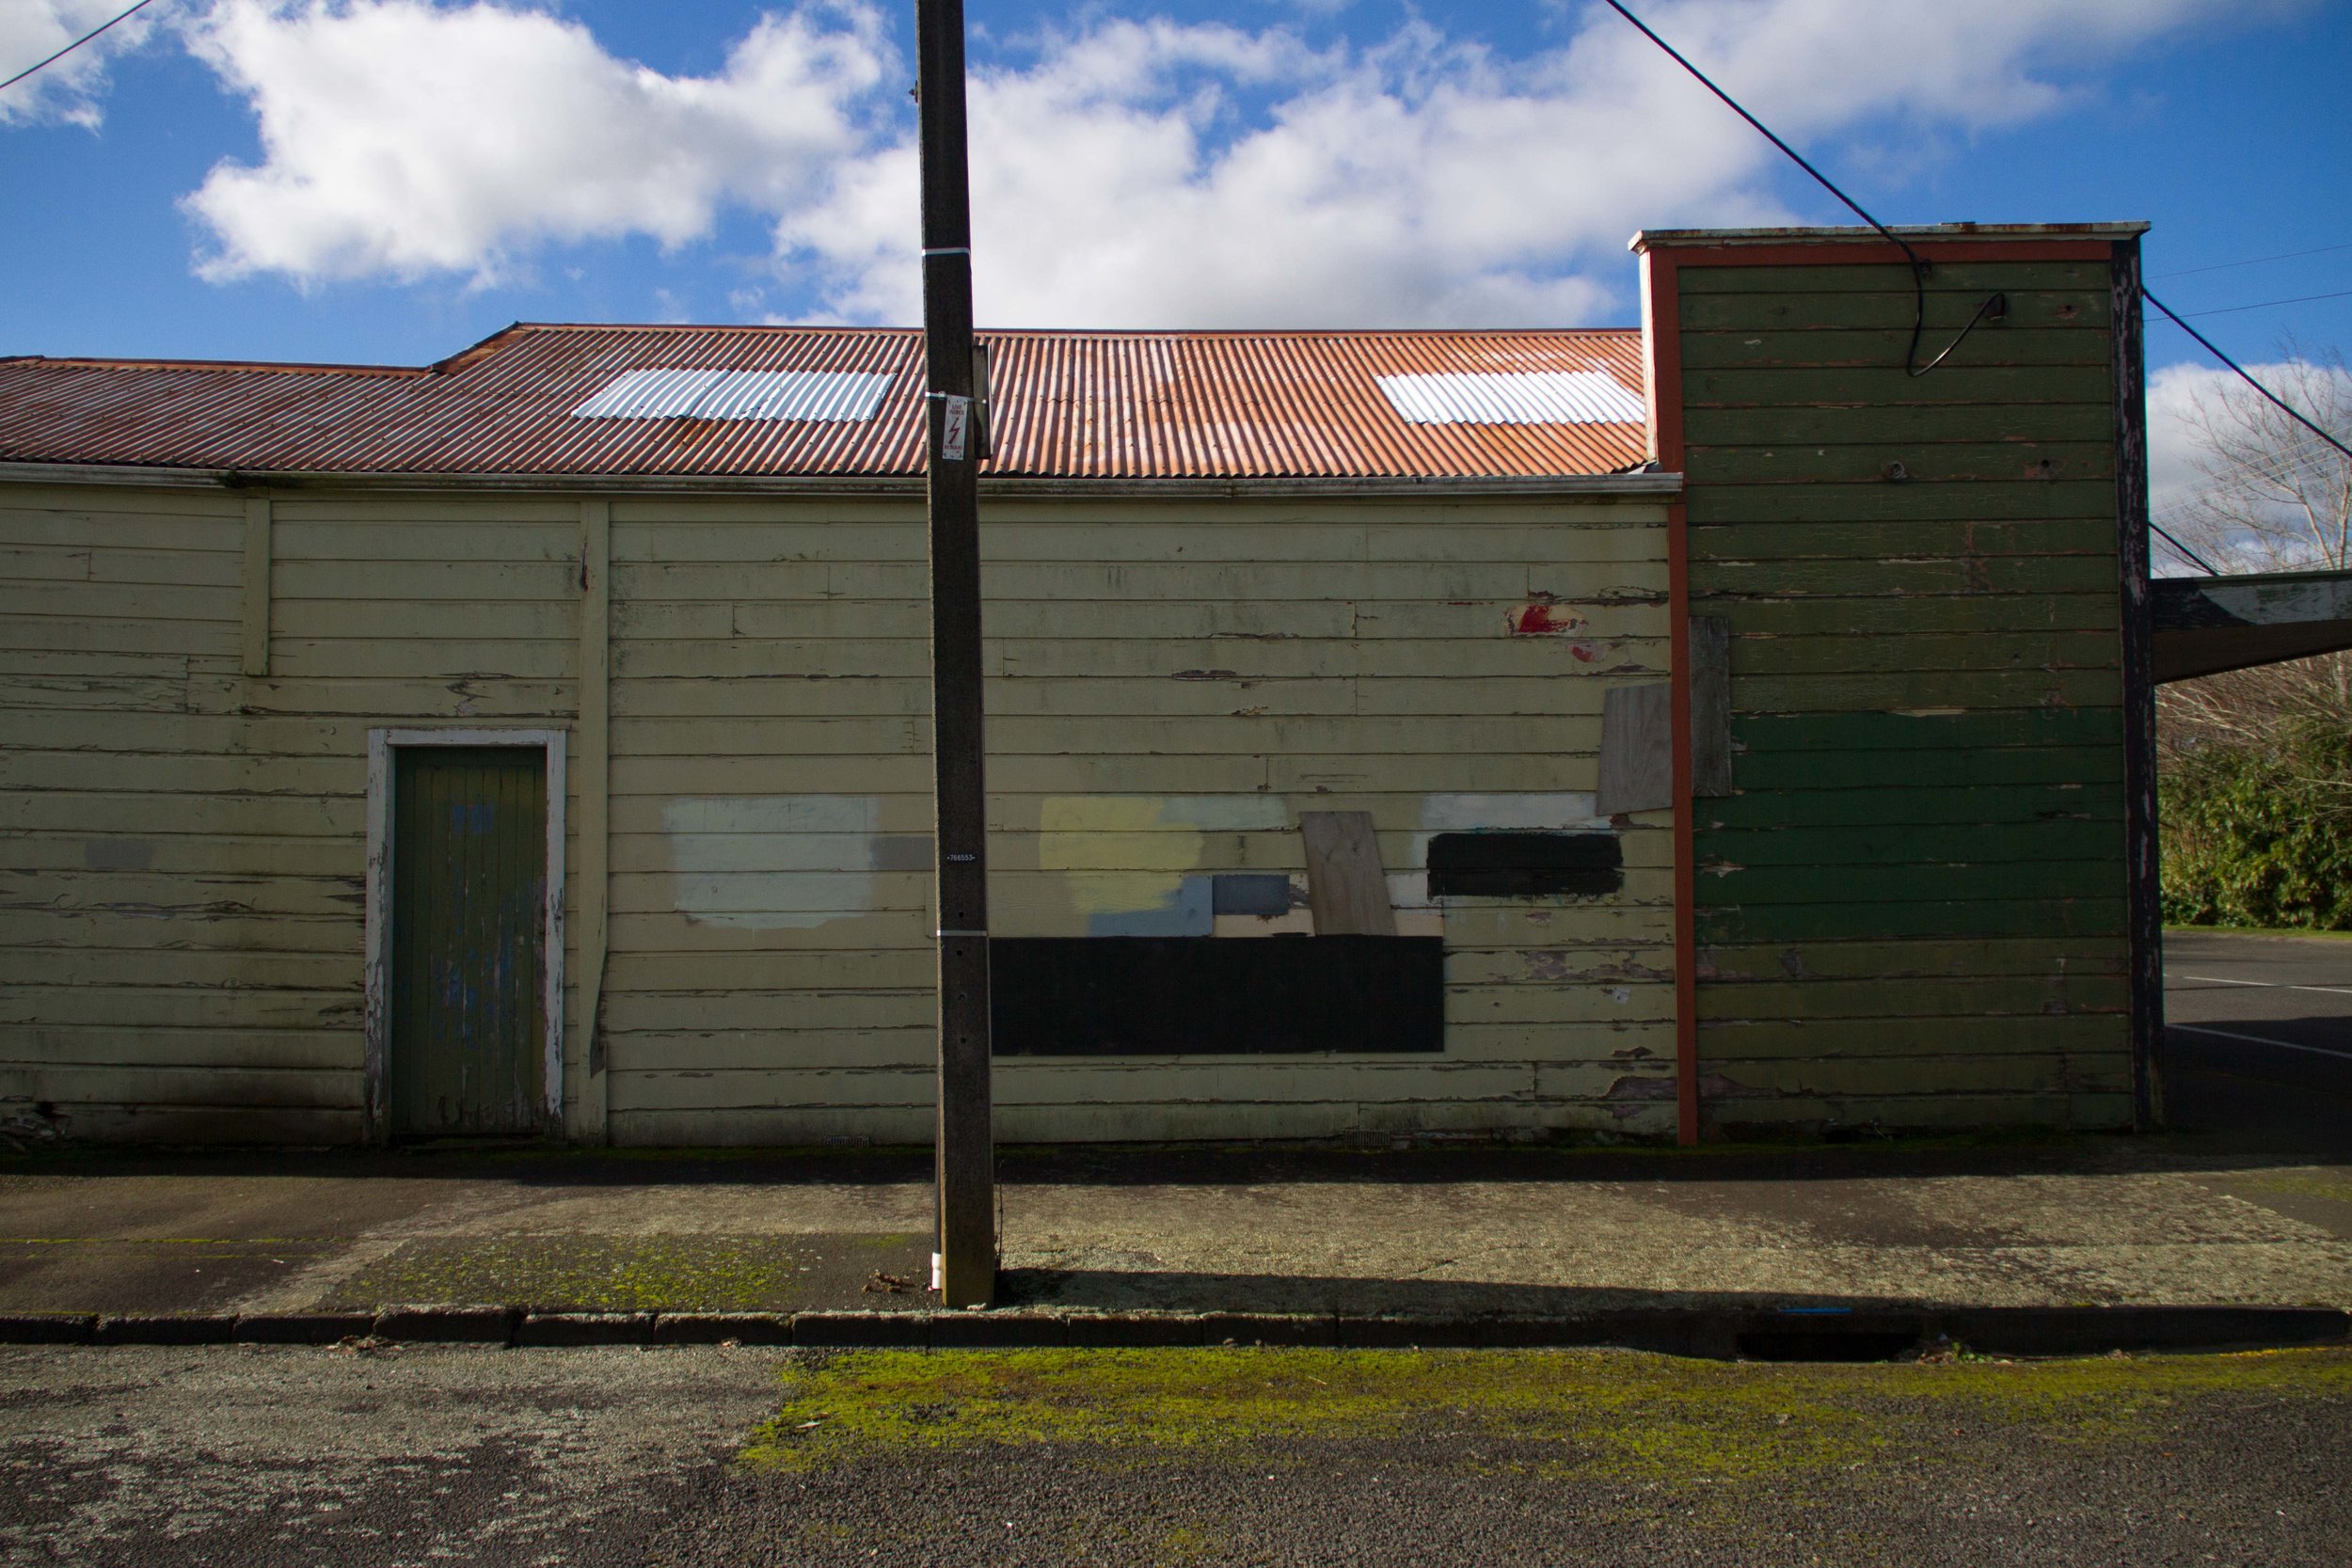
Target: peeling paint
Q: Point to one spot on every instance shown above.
(1553, 963)
(1629, 1095)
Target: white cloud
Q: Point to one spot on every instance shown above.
(1150, 174)
(2172, 394)
(68, 90)
(401, 138)
(1124, 173)
(2178, 457)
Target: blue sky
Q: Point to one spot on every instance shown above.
(392, 179)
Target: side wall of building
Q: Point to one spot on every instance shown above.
(1914, 909)
(1170, 685)
(181, 947)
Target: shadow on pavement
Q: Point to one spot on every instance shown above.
(1177, 1291)
(549, 1165)
(2273, 1106)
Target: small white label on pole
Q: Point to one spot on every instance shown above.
(959, 421)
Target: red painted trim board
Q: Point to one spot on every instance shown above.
(1876, 253)
(1662, 312)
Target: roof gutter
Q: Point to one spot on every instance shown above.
(1661, 486)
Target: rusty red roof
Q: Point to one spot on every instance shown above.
(1068, 405)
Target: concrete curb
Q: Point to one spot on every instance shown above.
(1785, 1334)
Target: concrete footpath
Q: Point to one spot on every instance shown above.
(2061, 1245)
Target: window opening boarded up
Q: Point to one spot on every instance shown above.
(1111, 996)
(468, 942)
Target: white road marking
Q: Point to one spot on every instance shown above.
(2265, 985)
(2259, 1039)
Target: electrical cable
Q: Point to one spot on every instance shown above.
(2266, 304)
(2284, 407)
(2254, 261)
(1996, 305)
(2191, 556)
(75, 44)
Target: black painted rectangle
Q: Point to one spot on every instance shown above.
(1137, 996)
(1523, 864)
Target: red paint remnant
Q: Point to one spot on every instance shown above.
(1542, 619)
(1582, 652)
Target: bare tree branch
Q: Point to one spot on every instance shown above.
(2275, 498)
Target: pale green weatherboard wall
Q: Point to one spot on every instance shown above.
(1913, 912)
(1171, 682)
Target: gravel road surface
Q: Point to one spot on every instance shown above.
(259, 1456)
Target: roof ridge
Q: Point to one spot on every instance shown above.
(258, 367)
(853, 329)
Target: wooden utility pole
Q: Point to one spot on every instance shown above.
(966, 1239)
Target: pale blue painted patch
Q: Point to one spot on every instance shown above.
(1189, 910)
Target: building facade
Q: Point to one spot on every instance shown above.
(1676, 732)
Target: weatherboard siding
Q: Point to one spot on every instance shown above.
(183, 946)
(1168, 685)
(1913, 912)
(182, 950)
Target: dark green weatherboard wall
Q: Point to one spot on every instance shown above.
(1914, 911)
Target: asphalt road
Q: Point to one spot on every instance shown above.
(2258, 1038)
(260, 1457)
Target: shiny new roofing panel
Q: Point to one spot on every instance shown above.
(1067, 405)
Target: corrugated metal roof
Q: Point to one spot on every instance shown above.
(771, 402)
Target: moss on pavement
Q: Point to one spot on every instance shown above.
(1618, 1415)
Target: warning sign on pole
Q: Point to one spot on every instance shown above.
(951, 438)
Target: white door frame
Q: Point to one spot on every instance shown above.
(381, 745)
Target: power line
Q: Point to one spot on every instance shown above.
(2288, 408)
(1765, 131)
(2186, 553)
(1919, 265)
(2254, 261)
(1994, 305)
(75, 44)
(2265, 305)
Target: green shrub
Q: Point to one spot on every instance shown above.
(2261, 833)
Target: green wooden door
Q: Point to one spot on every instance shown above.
(468, 940)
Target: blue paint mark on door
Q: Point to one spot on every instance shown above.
(468, 944)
